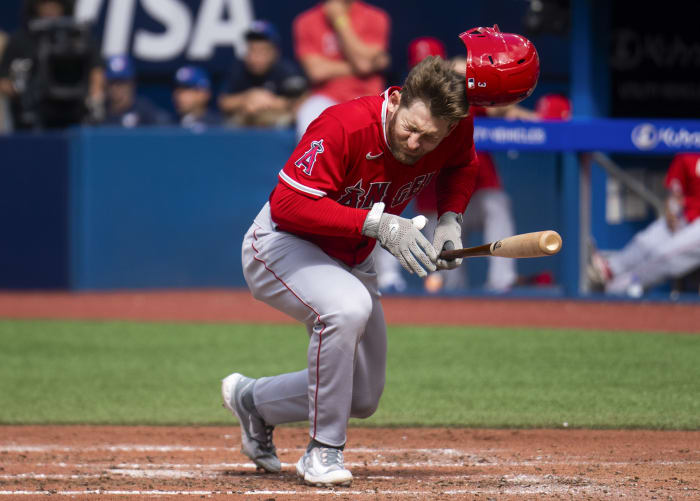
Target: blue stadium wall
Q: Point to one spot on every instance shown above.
(107, 208)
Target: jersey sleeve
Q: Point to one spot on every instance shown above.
(318, 164)
(456, 182)
(300, 215)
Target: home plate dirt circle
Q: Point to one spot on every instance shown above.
(92, 462)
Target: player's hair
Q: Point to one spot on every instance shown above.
(435, 82)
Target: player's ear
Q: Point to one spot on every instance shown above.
(394, 101)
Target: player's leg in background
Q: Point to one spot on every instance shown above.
(672, 255)
(309, 110)
(497, 223)
(298, 278)
(388, 271)
(635, 254)
(473, 220)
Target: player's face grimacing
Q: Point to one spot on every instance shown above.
(412, 131)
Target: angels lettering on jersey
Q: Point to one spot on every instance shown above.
(360, 198)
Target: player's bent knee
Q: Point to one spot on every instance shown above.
(364, 408)
(355, 312)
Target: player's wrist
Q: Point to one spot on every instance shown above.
(370, 228)
(452, 219)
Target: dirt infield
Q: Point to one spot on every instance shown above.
(239, 306)
(88, 462)
(78, 462)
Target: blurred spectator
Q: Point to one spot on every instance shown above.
(124, 107)
(553, 107)
(342, 46)
(422, 47)
(265, 89)
(191, 98)
(667, 248)
(51, 69)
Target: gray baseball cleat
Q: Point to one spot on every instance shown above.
(323, 467)
(256, 434)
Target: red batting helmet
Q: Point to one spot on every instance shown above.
(502, 68)
(422, 47)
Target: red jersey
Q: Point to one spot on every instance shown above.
(343, 165)
(314, 35)
(426, 201)
(684, 173)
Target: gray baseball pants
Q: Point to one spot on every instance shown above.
(340, 307)
(654, 255)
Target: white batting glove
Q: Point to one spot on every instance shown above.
(401, 237)
(448, 236)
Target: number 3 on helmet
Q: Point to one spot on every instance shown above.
(502, 68)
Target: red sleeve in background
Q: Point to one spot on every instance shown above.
(675, 173)
(488, 175)
(455, 186)
(296, 213)
(684, 176)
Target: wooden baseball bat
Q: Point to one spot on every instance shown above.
(536, 244)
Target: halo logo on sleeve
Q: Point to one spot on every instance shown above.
(308, 159)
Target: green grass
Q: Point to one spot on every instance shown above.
(150, 373)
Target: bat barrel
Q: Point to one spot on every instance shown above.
(550, 242)
(536, 244)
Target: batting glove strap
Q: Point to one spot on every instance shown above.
(448, 236)
(371, 226)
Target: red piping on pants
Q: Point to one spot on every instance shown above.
(318, 319)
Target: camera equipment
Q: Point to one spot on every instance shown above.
(58, 86)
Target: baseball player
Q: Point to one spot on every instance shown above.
(668, 247)
(308, 251)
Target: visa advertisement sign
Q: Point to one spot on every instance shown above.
(164, 33)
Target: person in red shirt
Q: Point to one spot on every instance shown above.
(667, 248)
(308, 252)
(342, 46)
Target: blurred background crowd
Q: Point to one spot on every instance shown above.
(53, 73)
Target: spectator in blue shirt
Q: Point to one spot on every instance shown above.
(191, 98)
(263, 89)
(124, 107)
